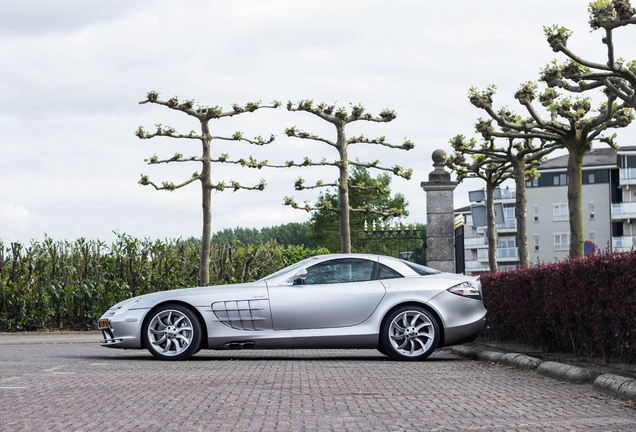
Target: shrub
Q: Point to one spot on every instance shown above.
(70, 284)
(587, 306)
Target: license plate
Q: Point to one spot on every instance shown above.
(102, 324)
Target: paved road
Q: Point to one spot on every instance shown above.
(67, 384)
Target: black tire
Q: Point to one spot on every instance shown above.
(410, 333)
(382, 350)
(172, 332)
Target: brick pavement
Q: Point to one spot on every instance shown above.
(81, 386)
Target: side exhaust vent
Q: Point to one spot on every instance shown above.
(240, 345)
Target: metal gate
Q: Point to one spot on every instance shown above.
(460, 258)
(400, 241)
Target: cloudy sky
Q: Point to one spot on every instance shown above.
(73, 72)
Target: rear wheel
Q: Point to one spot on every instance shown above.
(382, 350)
(410, 333)
(173, 332)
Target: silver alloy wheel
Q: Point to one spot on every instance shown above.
(170, 332)
(411, 333)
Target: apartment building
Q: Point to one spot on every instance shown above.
(609, 211)
(624, 207)
(475, 234)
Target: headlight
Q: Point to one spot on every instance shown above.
(466, 289)
(127, 305)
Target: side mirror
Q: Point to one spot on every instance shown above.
(298, 278)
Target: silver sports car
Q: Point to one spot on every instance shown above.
(403, 309)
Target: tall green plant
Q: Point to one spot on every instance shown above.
(51, 284)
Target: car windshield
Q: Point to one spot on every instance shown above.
(288, 269)
(420, 269)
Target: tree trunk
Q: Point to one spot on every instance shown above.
(491, 232)
(206, 237)
(575, 198)
(518, 166)
(206, 199)
(343, 192)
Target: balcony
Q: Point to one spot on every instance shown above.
(627, 176)
(623, 244)
(473, 243)
(509, 226)
(508, 194)
(623, 211)
(503, 254)
(476, 266)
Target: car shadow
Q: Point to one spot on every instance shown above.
(249, 356)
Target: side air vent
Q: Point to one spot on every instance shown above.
(249, 315)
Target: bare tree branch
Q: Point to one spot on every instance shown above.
(606, 15)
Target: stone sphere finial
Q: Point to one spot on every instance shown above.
(439, 156)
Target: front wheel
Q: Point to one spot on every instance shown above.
(173, 332)
(410, 333)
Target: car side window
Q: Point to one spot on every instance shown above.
(385, 272)
(340, 271)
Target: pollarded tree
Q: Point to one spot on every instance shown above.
(203, 114)
(522, 155)
(579, 74)
(493, 173)
(573, 125)
(340, 118)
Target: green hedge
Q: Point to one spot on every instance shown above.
(586, 307)
(55, 284)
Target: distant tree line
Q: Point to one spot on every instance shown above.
(290, 234)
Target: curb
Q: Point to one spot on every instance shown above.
(617, 386)
(573, 374)
(52, 337)
(614, 385)
(522, 361)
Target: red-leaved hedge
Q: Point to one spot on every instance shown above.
(586, 306)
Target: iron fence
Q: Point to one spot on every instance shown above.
(399, 240)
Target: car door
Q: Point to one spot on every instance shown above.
(335, 293)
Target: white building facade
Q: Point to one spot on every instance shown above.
(609, 212)
(475, 235)
(624, 209)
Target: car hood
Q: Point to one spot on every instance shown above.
(204, 296)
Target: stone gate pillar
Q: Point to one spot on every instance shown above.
(440, 221)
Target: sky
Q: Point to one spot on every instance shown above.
(74, 71)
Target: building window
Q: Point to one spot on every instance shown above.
(591, 207)
(590, 178)
(509, 213)
(560, 212)
(561, 242)
(507, 242)
(468, 219)
(560, 179)
(536, 242)
(592, 236)
(535, 212)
